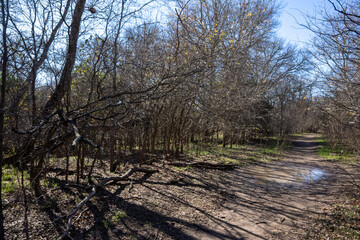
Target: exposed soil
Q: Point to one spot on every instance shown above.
(179, 203)
(273, 210)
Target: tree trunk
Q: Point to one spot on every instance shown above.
(93, 164)
(4, 23)
(78, 165)
(82, 160)
(118, 150)
(64, 85)
(143, 147)
(153, 140)
(67, 165)
(111, 139)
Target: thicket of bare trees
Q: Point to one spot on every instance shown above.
(337, 53)
(100, 75)
(96, 79)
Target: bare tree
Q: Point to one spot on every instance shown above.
(4, 72)
(210, 72)
(337, 54)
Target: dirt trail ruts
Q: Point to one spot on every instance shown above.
(273, 210)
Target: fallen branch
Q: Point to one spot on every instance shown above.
(78, 137)
(205, 165)
(93, 192)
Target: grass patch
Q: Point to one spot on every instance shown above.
(298, 134)
(188, 167)
(275, 145)
(105, 223)
(119, 215)
(269, 150)
(338, 153)
(11, 180)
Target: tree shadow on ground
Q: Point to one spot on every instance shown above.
(143, 222)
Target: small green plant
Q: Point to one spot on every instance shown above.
(7, 178)
(187, 167)
(88, 179)
(45, 206)
(122, 164)
(270, 150)
(119, 215)
(9, 187)
(227, 160)
(11, 180)
(148, 225)
(91, 233)
(54, 160)
(265, 160)
(105, 223)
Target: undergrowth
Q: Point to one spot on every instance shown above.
(269, 150)
(11, 179)
(340, 221)
(334, 152)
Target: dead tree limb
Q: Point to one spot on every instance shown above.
(78, 137)
(205, 165)
(93, 192)
(64, 85)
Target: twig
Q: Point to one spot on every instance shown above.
(351, 176)
(205, 165)
(93, 192)
(131, 186)
(78, 137)
(81, 214)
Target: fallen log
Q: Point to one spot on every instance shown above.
(205, 165)
(101, 184)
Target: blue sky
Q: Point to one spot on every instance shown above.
(292, 14)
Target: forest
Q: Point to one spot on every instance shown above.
(99, 97)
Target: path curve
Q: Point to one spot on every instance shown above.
(273, 210)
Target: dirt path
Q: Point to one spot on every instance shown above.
(277, 201)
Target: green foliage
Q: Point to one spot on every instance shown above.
(119, 215)
(105, 223)
(298, 134)
(188, 167)
(91, 233)
(270, 150)
(11, 179)
(276, 144)
(9, 187)
(227, 160)
(46, 206)
(337, 152)
(122, 164)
